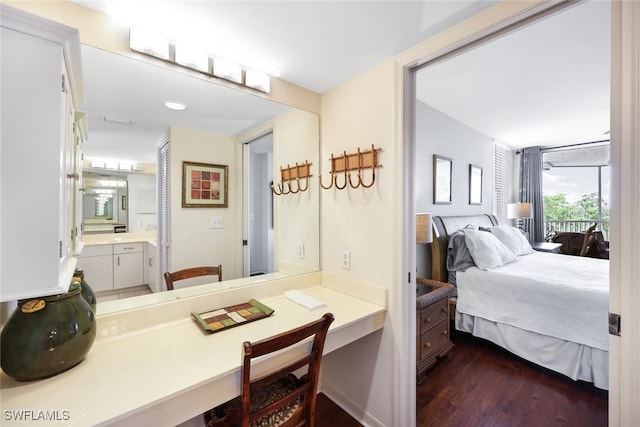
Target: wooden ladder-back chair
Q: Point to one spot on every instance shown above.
(278, 398)
(189, 273)
(585, 242)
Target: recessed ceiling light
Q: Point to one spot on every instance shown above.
(175, 105)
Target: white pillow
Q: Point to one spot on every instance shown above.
(486, 250)
(512, 238)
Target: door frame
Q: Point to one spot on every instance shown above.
(625, 133)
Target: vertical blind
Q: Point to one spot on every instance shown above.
(501, 170)
(164, 181)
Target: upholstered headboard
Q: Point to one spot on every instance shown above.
(445, 226)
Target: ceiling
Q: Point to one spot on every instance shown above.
(544, 84)
(321, 44)
(316, 44)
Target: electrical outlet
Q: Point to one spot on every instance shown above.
(301, 250)
(346, 259)
(216, 222)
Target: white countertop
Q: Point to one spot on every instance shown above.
(155, 366)
(114, 238)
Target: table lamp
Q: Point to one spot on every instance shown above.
(424, 232)
(519, 212)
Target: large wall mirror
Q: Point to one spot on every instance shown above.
(128, 123)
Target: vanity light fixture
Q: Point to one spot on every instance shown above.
(192, 57)
(148, 42)
(152, 44)
(227, 70)
(258, 80)
(112, 165)
(173, 105)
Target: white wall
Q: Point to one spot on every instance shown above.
(141, 203)
(261, 218)
(437, 133)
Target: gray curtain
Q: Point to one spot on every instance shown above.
(531, 191)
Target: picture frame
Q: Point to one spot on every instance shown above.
(123, 202)
(442, 177)
(204, 185)
(475, 185)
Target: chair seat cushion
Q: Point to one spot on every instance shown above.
(260, 398)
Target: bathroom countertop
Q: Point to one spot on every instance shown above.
(155, 366)
(113, 238)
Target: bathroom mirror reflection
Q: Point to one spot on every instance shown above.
(104, 204)
(218, 121)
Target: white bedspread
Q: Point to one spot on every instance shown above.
(562, 296)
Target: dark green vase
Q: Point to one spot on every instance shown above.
(47, 335)
(87, 292)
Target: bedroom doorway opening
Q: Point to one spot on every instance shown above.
(259, 257)
(502, 90)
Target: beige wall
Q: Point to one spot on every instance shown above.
(193, 242)
(357, 114)
(297, 216)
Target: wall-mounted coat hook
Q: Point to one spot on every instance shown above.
(292, 173)
(345, 163)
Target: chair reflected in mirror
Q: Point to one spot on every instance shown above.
(189, 273)
(279, 397)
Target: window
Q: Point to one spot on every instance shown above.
(576, 189)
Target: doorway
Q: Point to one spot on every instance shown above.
(464, 158)
(258, 206)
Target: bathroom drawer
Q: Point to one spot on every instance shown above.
(126, 248)
(96, 250)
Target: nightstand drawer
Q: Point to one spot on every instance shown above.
(430, 316)
(431, 340)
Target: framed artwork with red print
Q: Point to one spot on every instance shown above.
(204, 185)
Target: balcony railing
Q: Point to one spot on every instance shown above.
(575, 226)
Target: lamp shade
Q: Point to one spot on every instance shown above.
(424, 232)
(519, 210)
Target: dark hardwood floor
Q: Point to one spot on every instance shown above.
(328, 414)
(480, 384)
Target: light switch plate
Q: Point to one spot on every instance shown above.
(216, 222)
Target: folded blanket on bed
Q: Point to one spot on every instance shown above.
(561, 296)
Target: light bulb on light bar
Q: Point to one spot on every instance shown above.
(148, 42)
(228, 70)
(257, 80)
(192, 57)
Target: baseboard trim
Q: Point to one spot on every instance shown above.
(349, 406)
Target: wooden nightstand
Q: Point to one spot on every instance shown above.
(547, 247)
(432, 324)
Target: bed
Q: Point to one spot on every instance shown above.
(550, 309)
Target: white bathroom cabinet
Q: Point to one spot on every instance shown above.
(116, 266)
(41, 80)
